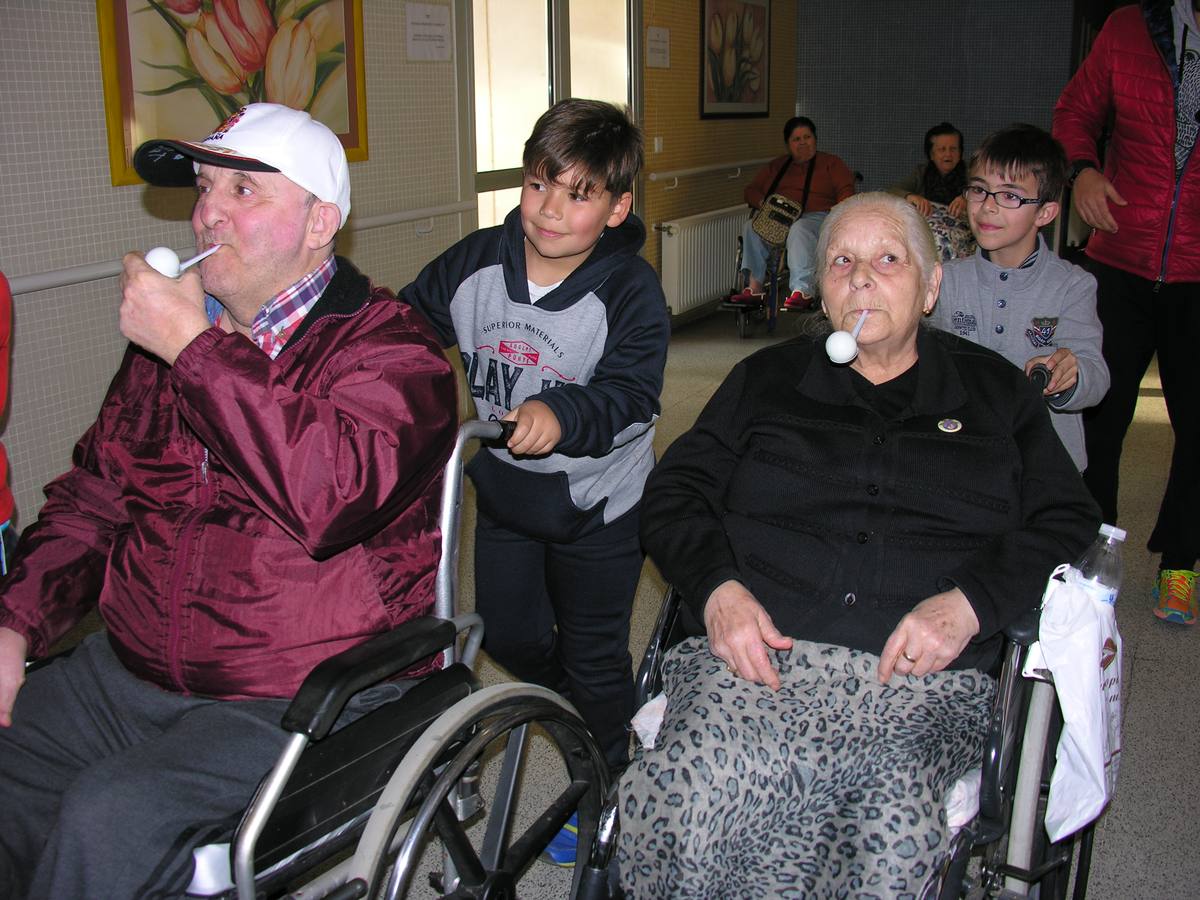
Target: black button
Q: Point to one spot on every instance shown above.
(999, 329)
(849, 599)
(878, 439)
(1001, 303)
(863, 537)
(873, 490)
(1004, 276)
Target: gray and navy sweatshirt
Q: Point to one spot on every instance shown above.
(593, 350)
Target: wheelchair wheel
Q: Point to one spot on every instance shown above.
(486, 733)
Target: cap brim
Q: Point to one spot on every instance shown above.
(170, 163)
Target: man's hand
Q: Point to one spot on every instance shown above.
(740, 631)
(958, 207)
(537, 431)
(930, 637)
(1064, 370)
(1091, 195)
(13, 648)
(923, 206)
(160, 314)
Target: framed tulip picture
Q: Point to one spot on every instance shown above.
(171, 67)
(735, 58)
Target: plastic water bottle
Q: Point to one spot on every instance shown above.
(1099, 570)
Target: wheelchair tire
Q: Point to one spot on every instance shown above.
(490, 723)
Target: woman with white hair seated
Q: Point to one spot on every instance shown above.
(854, 537)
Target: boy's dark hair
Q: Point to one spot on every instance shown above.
(1022, 149)
(594, 137)
(795, 122)
(937, 131)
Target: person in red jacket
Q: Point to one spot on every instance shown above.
(6, 498)
(1144, 204)
(259, 492)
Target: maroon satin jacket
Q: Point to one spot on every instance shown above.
(239, 519)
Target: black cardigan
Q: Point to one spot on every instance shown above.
(840, 521)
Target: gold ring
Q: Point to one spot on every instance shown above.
(909, 658)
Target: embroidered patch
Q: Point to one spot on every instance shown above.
(963, 324)
(949, 426)
(1042, 332)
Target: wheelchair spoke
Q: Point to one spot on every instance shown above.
(526, 848)
(458, 845)
(500, 819)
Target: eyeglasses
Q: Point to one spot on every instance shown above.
(975, 194)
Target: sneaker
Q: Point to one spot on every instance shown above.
(561, 850)
(747, 297)
(798, 300)
(1175, 596)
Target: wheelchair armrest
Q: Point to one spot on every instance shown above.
(331, 683)
(1024, 629)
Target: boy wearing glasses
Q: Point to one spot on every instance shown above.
(1015, 295)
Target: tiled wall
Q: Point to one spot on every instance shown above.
(61, 210)
(875, 74)
(672, 112)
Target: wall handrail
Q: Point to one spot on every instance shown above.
(56, 278)
(701, 170)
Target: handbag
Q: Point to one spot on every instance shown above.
(775, 217)
(1080, 645)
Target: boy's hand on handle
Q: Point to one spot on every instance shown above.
(740, 631)
(13, 648)
(537, 431)
(930, 637)
(1064, 370)
(1091, 194)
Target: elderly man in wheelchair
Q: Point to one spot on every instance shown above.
(854, 538)
(259, 491)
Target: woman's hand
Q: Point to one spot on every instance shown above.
(1091, 194)
(924, 207)
(740, 631)
(958, 207)
(930, 637)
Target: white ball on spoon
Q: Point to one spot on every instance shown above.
(841, 347)
(163, 260)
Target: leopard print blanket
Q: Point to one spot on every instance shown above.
(830, 787)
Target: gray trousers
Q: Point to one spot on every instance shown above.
(107, 782)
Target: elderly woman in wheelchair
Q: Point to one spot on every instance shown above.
(854, 538)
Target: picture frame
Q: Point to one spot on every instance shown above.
(179, 68)
(735, 59)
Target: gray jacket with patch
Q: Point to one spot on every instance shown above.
(593, 350)
(1023, 313)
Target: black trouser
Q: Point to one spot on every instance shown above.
(558, 615)
(1139, 322)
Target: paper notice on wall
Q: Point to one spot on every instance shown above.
(658, 48)
(428, 31)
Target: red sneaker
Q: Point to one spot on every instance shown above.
(798, 300)
(747, 297)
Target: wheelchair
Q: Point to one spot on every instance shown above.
(1003, 852)
(775, 291)
(347, 813)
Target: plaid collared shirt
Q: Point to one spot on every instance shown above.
(282, 315)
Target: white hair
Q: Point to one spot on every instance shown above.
(917, 236)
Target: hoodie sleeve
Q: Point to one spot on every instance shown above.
(621, 399)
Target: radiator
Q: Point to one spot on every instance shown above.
(698, 257)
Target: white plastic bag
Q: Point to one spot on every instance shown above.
(1079, 644)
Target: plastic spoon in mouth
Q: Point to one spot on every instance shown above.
(165, 261)
(842, 346)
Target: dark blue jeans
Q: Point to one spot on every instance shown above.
(558, 615)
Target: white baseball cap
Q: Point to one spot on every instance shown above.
(261, 137)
